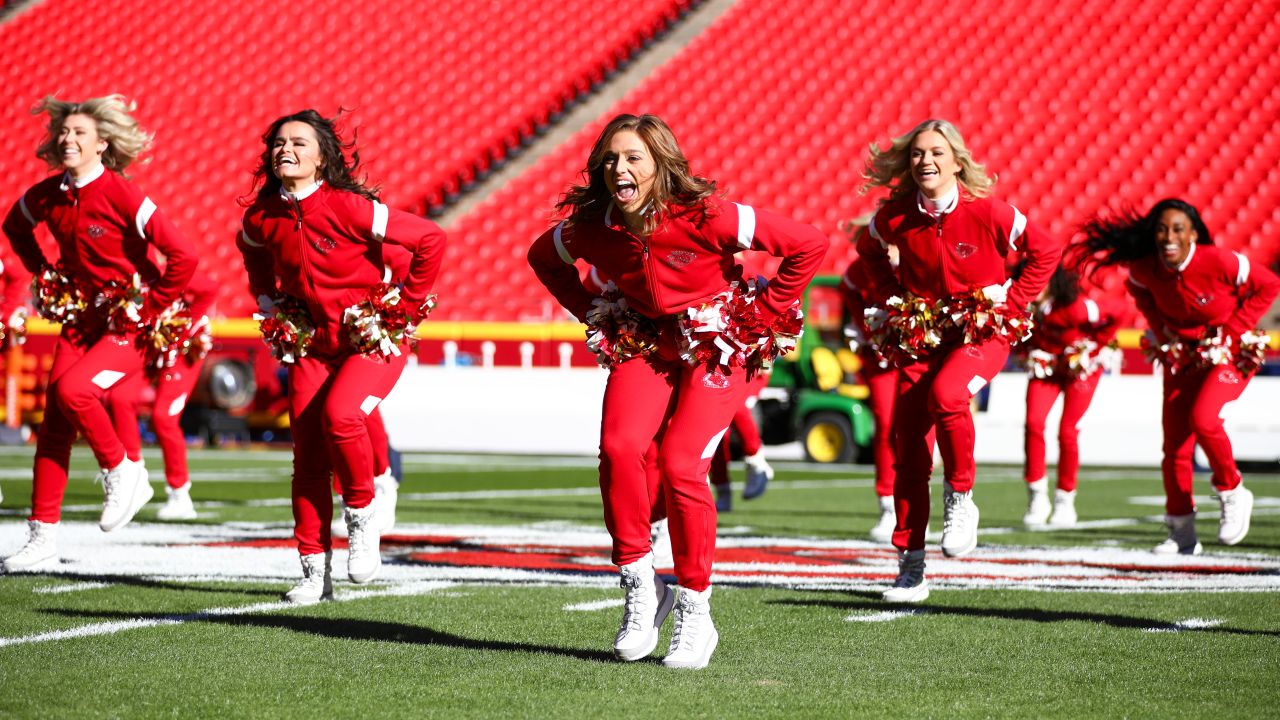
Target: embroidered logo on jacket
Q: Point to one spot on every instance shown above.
(96, 231)
(323, 244)
(679, 258)
(965, 250)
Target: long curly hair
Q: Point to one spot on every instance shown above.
(126, 140)
(674, 186)
(891, 167)
(337, 171)
(1128, 236)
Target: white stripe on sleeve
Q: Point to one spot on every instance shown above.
(380, 217)
(1135, 283)
(1242, 276)
(1019, 227)
(386, 273)
(244, 235)
(22, 204)
(874, 232)
(746, 226)
(1091, 310)
(144, 216)
(560, 248)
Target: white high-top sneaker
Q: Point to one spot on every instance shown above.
(1237, 507)
(317, 580)
(41, 548)
(648, 603)
(1064, 509)
(386, 492)
(910, 587)
(178, 506)
(364, 556)
(660, 544)
(1038, 507)
(125, 491)
(883, 530)
(959, 524)
(759, 473)
(1182, 536)
(695, 636)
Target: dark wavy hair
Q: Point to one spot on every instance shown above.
(1107, 242)
(337, 171)
(673, 183)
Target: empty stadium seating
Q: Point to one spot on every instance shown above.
(438, 90)
(1077, 107)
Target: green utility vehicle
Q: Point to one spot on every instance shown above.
(815, 394)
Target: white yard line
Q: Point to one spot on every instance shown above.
(1188, 624)
(111, 628)
(885, 616)
(595, 605)
(73, 587)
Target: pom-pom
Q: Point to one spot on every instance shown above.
(120, 302)
(174, 334)
(615, 332)
(905, 330)
(56, 298)
(286, 327)
(1252, 352)
(382, 322)
(981, 315)
(728, 332)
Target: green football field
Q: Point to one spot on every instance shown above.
(496, 599)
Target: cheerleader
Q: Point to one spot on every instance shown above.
(683, 335)
(1066, 355)
(312, 242)
(106, 291)
(949, 313)
(1202, 305)
(881, 378)
(174, 382)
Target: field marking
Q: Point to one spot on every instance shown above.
(595, 605)
(885, 616)
(1188, 624)
(73, 587)
(111, 628)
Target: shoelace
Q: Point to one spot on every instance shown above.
(957, 516)
(355, 538)
(910, 573)
(687, 627)
(110, 489)
(636, 601)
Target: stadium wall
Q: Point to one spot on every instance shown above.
(557, 411)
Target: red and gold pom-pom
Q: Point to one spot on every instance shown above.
(729, 332)
(174, 334)
(120, 302)
(615, 332)
(382, 322)
(1252, 352)
(1170, 353)
(981, 315)
(56, 298)
(905, 330)
(286, 327)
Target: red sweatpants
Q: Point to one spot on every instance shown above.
(883, 387)
(379, 441)
(74, 403)
(936, 392)
(1193, 403)
(329, 406)
(744, 425)
(687, 414)
(173, 389)
(1041, 395)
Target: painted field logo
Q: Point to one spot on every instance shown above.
(557, 553)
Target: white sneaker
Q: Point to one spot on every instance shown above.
(695, 636)
(959, 524)
(1038, 507)
(1237, 507)
(759, 473)
(178, 506)
(660, 544)
(41, 548)
(363, 555)
(317, 580)
(910, 587)
(1064, 509)
(125, 490)
(386, 492)
(883, 530)
(648, 603)
(1182, 536)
